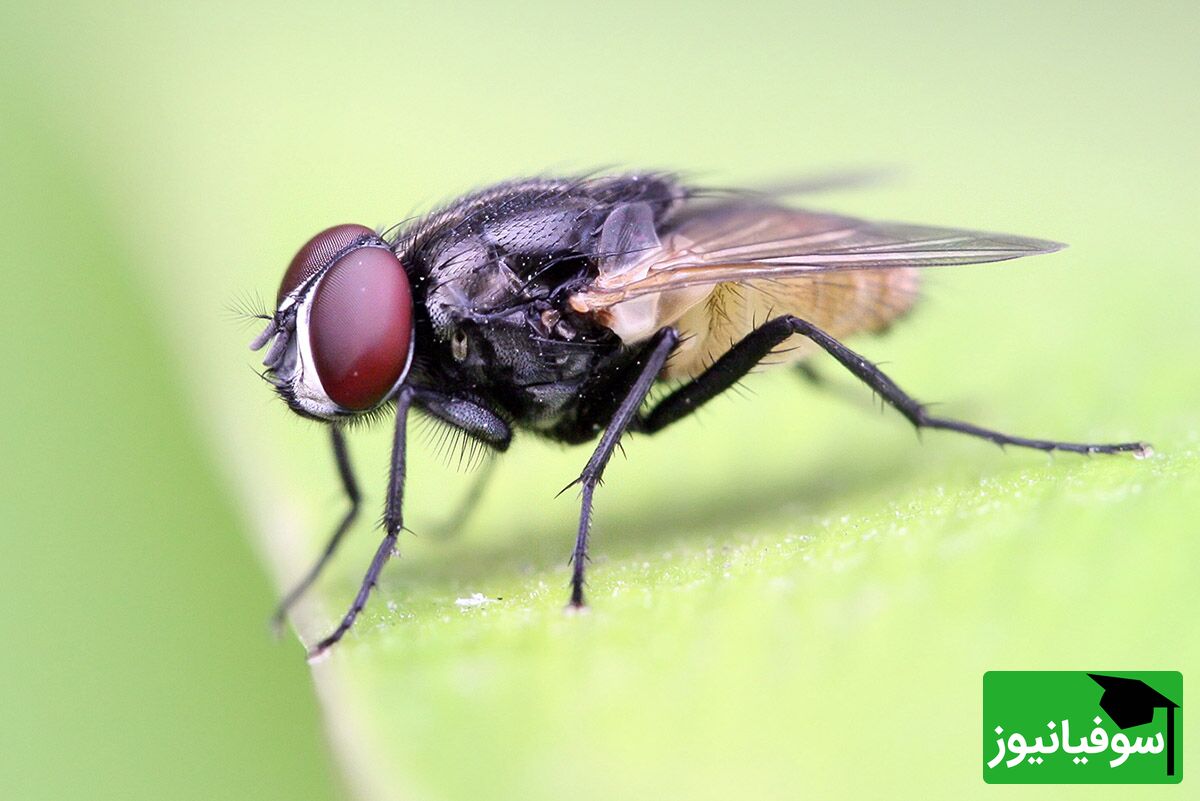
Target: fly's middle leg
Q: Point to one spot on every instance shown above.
(655, 359)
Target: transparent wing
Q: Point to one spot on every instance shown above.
(742, 242)
(812, 183)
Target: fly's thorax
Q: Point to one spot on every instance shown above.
(495, 303)
(531, 359)
(505, 258)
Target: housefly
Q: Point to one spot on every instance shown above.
(553, 306)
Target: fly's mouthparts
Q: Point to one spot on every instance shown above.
(265, 337)
(277, 351)
(275, 354)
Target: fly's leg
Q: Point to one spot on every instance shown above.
(809, 374)
(743, 356)
(450, 527)
(655, 358)
(346, 472)
(479, 422)
(392, 523)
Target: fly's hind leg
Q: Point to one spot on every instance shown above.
(756, 345)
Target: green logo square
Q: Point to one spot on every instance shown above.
(1082, 727)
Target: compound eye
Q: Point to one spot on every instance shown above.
(360, 327)
(317, 252)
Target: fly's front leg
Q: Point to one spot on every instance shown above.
(656, 357)
(479, 422)
(346, 472)
(392, 523)
(743, 356)
(467, 415)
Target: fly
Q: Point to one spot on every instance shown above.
(553, 306)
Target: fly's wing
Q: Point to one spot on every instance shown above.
(721, 269)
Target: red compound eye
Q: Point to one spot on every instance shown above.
(317, 252)
(360, 327)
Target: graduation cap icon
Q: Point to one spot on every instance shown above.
(1131, 702)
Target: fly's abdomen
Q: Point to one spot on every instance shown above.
(843, 304)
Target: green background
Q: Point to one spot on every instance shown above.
(793, 595)
(1025, 702)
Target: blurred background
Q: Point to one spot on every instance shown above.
(792, 594)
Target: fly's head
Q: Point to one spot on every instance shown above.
(341, 338)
